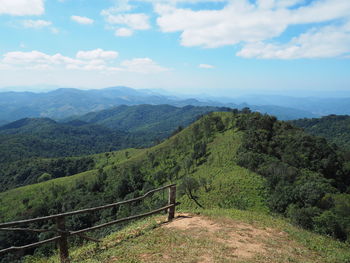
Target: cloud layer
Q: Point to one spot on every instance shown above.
(36, 23)
(255, 25)
(22, 7)
(96, 60)
(82, 20)
(124, 24)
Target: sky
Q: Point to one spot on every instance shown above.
(215, 47)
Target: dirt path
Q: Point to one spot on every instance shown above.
(243, 241)
(192, 238)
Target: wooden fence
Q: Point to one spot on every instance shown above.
(63, 233)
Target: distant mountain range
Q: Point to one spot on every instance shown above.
(65, 102)
(317, 106)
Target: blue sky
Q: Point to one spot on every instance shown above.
(218, 47)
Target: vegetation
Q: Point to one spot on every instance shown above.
(36, 170)
(335, 128)
(29, 138)
(25, 142)
(149, 122)
(307, 180)
(234, 160)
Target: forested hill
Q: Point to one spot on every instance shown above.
(154, 121)
(335, 128)
(109, 130)
(239, 160)
(27, 138)
(105, 131)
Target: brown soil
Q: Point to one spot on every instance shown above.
(243, 240)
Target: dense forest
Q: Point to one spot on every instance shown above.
(335, 128)
(28, 138)
(307, 179)
(236, 159)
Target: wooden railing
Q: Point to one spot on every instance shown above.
(63, 233)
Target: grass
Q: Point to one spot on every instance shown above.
(149, 241)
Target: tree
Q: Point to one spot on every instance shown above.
(188, 186)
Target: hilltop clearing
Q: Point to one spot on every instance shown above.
(211, 236)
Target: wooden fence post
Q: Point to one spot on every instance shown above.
(63, 241)
(172, 201)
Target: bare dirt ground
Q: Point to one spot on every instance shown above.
(192, 238)
(244, 242)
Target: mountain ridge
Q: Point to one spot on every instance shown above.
(64, 102)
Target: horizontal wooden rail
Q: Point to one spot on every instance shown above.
(64, 234)
(10, 249)
(87, 210)
(122, 220)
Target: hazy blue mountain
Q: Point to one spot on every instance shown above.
(64, 102)
(2, 122)
(282, 113)
(314, 105)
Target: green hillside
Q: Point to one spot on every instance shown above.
(286, 171)
(25, 142)
(152, 122)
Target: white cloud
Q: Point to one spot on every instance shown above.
(325, 42)
(36, 58)
(174, 2)
(82, 20)
(237, 22)
(94, 60)
(142, 65)
(84, 60)
(133, 21)
(123, 23)
(22, 7)
(124, 32)
(253, 24)
(36, 23)
(97, 54)
(206, 66)
(119, 6)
